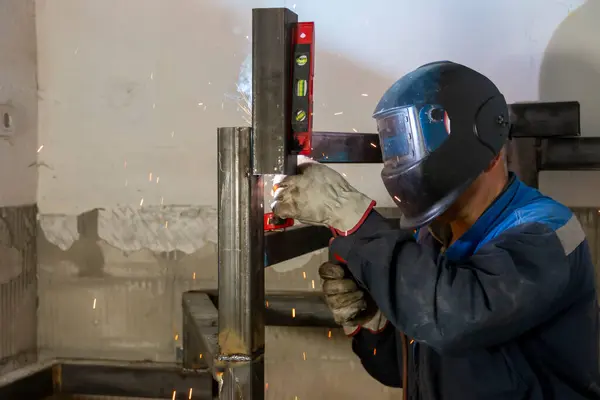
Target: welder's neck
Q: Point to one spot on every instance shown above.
(474, 203)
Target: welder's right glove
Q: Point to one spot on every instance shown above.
(351, 306)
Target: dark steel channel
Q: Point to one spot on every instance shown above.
(272, 34)
(569, 154)
(134, 380)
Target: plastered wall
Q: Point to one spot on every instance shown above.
(18, 184)
(130, 96)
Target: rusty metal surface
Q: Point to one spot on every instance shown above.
(18, 287)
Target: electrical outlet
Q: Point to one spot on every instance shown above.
(7, 121)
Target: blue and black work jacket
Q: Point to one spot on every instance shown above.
(506, 312)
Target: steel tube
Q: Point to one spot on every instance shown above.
(241, 271)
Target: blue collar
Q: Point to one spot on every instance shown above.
(466, 245)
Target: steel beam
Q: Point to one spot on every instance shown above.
(133, 380)
(272, 34)
(35, 386)
(544, 120)
(570, 154)
(281, 309)
(200, 331)
(241, 270)
(296, 241)
(298, 309)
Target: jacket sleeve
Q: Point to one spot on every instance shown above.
(380, 354)
(511, 284)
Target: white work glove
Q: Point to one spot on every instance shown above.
(318, 195)
(352, 308)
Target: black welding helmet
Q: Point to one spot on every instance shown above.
(439, 127)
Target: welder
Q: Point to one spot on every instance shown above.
(485, 289)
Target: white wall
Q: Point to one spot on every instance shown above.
(18, 175)
(118, 78)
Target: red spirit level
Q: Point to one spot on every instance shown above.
(302, 81)
(302, 103)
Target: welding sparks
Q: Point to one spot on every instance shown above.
(200, 104)
(174, 394)
(157, 179)
(266, 304)
(397, 199)
(329, 334)
(304, 355)
(94, 305)
(267, 386)
(354, 130)
(200, 356)
(166, 224)
(375, 351)
(40, 148)
(190, 396)
(194, 276)
(313, 283)
(373, 145)
(150, 177)
(141, 201)
(364, 95)
(176, 336)
(338, 113)
(293, 313)
(304, 274)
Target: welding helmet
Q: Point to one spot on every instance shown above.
(439, 127)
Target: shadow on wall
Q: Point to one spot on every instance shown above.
(570, 68)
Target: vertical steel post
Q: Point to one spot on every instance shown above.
(241, 269)
(272, 37)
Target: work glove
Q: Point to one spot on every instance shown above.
(318, 195)
(352, 307)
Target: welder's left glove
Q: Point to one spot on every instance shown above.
(318, 195)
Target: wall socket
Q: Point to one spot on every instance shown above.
(7, 121)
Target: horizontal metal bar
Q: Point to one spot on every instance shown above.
(282, 309)
(306, 309)
(347, 148)
(200, 330)
(581, 153)
(544, 120)
(296, 241)
(293, 242)
(135, 380)
(36, 386)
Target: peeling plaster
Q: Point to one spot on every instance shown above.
(158, 229)
(60, 230)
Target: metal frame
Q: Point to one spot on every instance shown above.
(102, 378)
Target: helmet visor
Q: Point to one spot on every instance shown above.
(408, 134)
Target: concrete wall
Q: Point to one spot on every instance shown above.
(18, 183)
(130, 96)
